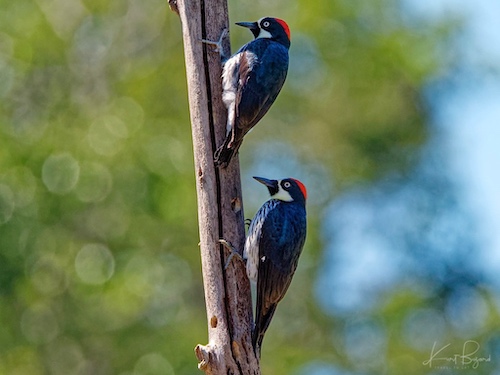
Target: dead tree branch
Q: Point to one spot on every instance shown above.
(220, 208)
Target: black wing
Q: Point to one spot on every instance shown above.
(279, 250)
(260, 81)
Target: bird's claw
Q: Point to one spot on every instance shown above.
(218, 44)
(248, 222)
(234, 252)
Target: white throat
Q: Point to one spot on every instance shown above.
(282, 195)
(264, 34)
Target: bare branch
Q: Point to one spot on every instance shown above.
(220, 207)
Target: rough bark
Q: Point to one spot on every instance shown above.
(220, 208)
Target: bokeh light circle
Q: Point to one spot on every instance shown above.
(153, 364)
(6, 203)
(60, 173)
(95, 183)
(94, 264)
(39, 324)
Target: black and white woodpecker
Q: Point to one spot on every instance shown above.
(251, 80)
(273, 245)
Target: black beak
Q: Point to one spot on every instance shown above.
(253, 26)
(272, 185)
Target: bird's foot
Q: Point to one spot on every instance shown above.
(218, 44)
(234, 252)
(223, 156)
(248, 222)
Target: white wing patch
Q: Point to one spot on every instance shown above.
(252, 242)
(230, 78)
(231, 83)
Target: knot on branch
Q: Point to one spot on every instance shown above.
(204, 355)
(236, 205)
(172, 4)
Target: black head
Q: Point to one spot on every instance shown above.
(269, 27)
(287, 190)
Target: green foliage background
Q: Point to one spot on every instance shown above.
(99, 265)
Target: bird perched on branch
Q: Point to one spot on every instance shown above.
(251, 80)
(272, 248)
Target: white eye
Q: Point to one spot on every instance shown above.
(286, 185)
(265, 24)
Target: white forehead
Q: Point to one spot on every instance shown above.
(263, 33)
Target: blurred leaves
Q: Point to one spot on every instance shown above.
(93, 259)
(99, 265)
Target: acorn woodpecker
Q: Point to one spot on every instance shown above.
(251, 80)
(272, 248)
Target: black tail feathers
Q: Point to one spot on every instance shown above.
(261, 325)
